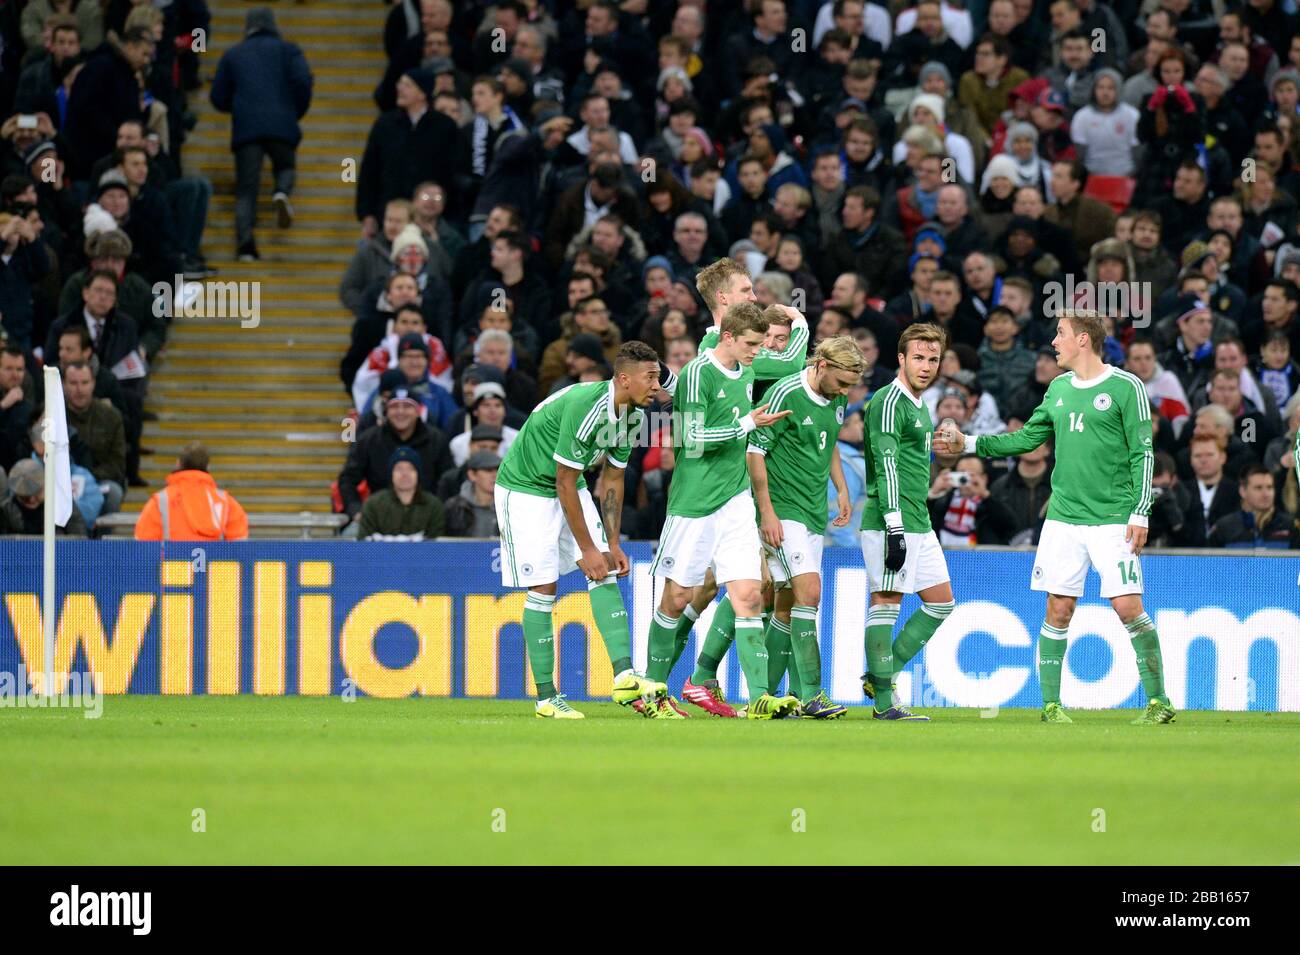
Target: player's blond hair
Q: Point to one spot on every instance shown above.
(1086, 321)
(744, 317)
(923, 332)
(839, 351)
(716, 278)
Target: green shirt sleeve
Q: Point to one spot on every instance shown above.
(1136, 411)
(573, 449)
(771, 365)
(883, 431)
(1037, 429)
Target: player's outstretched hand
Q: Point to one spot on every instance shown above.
(762, 419)
(592, 565)
(1136, 537)
(895, 549)
(948, 439)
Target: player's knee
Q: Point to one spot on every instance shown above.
(808, 593)
(1060, 610)
(745, 597)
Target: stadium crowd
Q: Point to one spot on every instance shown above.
(94, 211)
(544, 180)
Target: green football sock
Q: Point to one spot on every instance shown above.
(611, 620)
(1051, 656)
(880, 653)
(716, 643)
(807, 655)
(777, 639)
(753, 654)
(540, 641)
(685, 623)
(1146, 644)
(918, 630)
(663, 639)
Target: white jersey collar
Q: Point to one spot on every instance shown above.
(812, 392)
(733, 375)
(1107, 371)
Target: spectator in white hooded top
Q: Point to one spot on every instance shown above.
(929, 110)
(1105, 131)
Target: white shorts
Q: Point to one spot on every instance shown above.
(923, 567)
(537, 546)
(1066, 550)
(726, 540)
(800, 553)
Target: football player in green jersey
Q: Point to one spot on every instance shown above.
(789, 464)
(710, 507)
(899, 547)
(785, 344)
(1100, 417)
(549, 525)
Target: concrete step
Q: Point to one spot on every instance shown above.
(324, 406)
(185, 389)
(263, 337)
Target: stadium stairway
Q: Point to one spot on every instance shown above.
(267, 400)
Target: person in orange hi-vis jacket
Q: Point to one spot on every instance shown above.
(192, 507)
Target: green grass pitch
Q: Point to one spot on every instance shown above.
(300, 780)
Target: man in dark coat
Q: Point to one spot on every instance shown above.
(406, 146)
(265, 84)
(104, 96)
(369, 458)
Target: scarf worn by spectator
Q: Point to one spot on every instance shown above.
(481, 130)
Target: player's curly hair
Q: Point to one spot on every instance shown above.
(634, 353)
(839, 351)
(712, 279)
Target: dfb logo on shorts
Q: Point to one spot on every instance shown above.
(797, 558)
(902, 574)
(668, 561)
(527, 568)
(1101, 402)
(1038, 573)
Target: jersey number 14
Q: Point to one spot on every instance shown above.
(1076, 420)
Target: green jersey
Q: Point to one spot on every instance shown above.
(768, 365)
(573, 427)
(710, 431)
(798, 449)
(897, 456)
(1104, 460)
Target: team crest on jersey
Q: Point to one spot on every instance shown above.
(839, 415)
(1101, 402)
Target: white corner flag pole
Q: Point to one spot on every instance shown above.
(58, 508)
(47, 544)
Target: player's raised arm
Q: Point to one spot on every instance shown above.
(1036, 430)
(774, 364)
